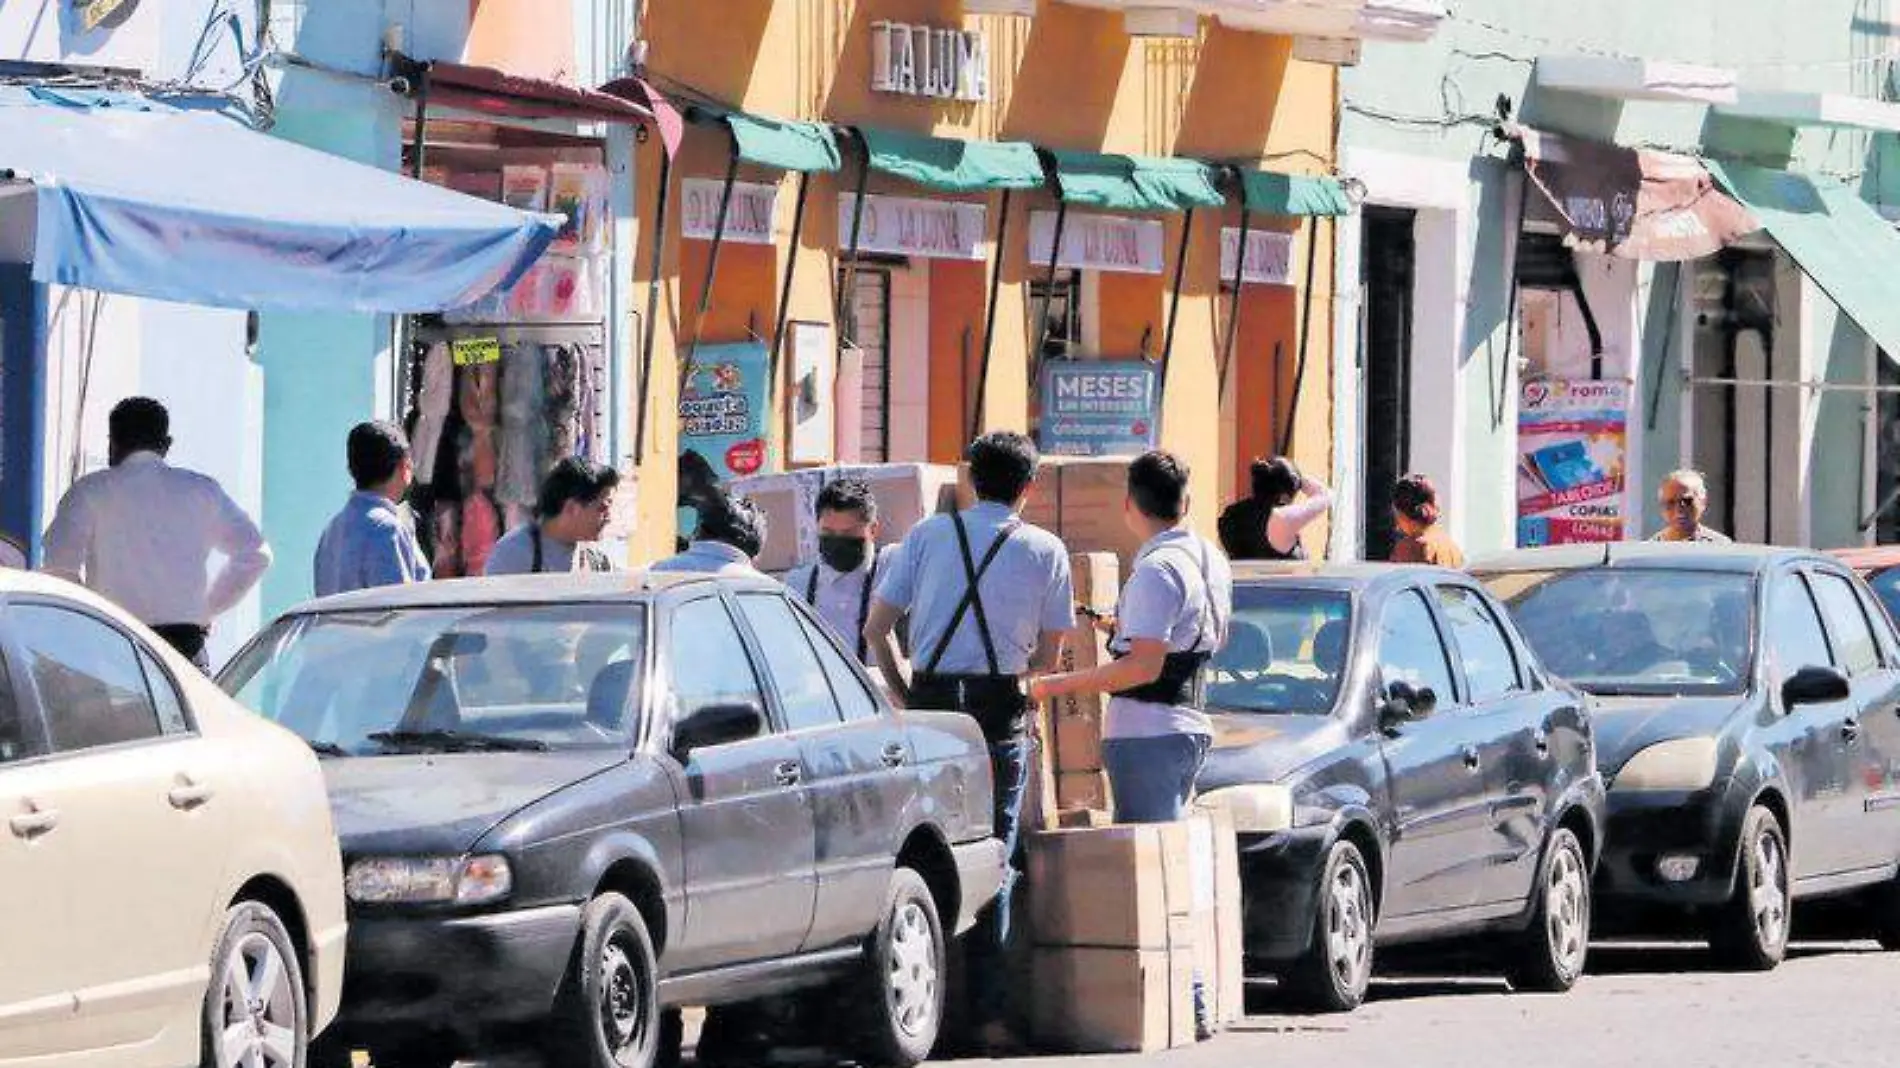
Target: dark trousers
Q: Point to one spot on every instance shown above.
(189, 640)
(987, 954)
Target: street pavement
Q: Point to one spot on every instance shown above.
(1665, 1006)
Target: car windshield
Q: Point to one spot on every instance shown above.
(476, 678)
(1285, 652)
(1637, 632)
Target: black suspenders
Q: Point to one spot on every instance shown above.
(973, 573)
(534, 533)
(864, 599)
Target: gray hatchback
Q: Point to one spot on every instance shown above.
(569, 804)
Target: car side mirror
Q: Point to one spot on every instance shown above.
(716, 725)
(1814, 686)
(1405, 703)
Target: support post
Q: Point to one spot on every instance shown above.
(1049, 292)
(712, 266)
(1306, 334)
(1174, 312)
(848, 289)
(989, 317)
(785, 300)
(1233, 312)
(658, 239)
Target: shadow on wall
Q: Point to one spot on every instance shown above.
(1488, 314)
(1067, 80)
(712, 48)
(1228, 112)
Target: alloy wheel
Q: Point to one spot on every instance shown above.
(1567, 911)
(912, 984)
(1349, 928)
(258, 1021)
(1768, 891)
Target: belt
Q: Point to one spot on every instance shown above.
(996, 702)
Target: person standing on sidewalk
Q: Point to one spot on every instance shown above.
(840, 583)
(1422, 538)
(576, 501)
(990, 599)
(1172, 617)
(730, 537)
(372, 541)
(1685, 501)
(141, 533)
(1267, 524)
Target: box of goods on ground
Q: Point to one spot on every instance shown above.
(906, 494)
(1131, 925)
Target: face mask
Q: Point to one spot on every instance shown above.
(841, 553)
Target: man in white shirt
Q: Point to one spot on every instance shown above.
(141, 533)
(839, 584)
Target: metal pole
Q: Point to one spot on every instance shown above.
(1511, 316)
(1306, 332)
(1174, 312)
(653, 307)
(712, 266)
(422, 121)
(989, 317)
(1233, 313)
(785, 294)
(1049, 291)
(848, 290)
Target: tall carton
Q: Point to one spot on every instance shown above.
(1089, 999)
(1110, 887)
(1230, 948)
(1078, 717)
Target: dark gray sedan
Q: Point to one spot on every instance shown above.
(568, 804)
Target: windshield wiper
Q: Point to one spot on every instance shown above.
(459, 741)
(328, 748)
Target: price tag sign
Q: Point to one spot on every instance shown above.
(471, 351)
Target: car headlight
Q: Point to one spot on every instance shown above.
(1256, 809)
(429, 880)
(1682, 764)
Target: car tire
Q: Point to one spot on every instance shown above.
(1883, 907)
(1336, 969)
(256, 1000)
(607, 1013)
(1551, 954)
(1750, 930)
(331, 1054)
(901, 992)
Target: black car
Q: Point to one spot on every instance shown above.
(1400, 769)
(1746, 703)
(569, 804)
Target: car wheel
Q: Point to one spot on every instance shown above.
(903, 992)
(1750, 931)
(607, 1014)
(1883, 905)
(255, 1012)
(412, 1056)
(1337, 967)
(1550, 958)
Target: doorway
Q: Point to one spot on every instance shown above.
(1388, 266)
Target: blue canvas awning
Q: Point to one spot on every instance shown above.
(135, 196)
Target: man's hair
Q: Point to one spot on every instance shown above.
(1416, 498)
(574, 478)
(375, 450)
(1158, 484)
(1689, 479)
(735, 521)
(1275, 482)
(848, 495)
(1002, 465)
(140, 423)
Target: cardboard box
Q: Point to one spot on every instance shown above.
(1078, 499)
(1082, 789)
(1229, 900)
(906, 495)
(1039, 796)
(1078, 735)
(1097, 1000)
(1111, 887)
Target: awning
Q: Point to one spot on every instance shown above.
(666, 116)
(953, 166)
(1135, 183)
(137, 197)
(486, 91)
(1837, 238)
(803, 147)
(1636, 204)
(1291, 194)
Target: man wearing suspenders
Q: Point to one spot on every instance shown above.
(989, 598)
(840, 583)
(1173, 616)
(577, 498)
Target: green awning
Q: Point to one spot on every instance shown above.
(804, 147)
(952, 166)
(1836, 237)
(1292, 194)
(1136, 183)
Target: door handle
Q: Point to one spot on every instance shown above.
(31, 825)
(1542, 741)
(189, 794)
(1471, 758)
(788, 773)
(1850, 729)
(895, 754)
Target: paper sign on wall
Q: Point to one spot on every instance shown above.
(814, 393)
(1098, 407)
(904, 226)
(1572, 440)
(749, 218)
(1098, 242)
(473, 351)
(722, 420)
(1269, 256)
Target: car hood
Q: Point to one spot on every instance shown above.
(437, 804)
(1627, 725)
(1257, 748)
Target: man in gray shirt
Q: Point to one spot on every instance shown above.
(577, 498)
(731, 533)
(1173, 615)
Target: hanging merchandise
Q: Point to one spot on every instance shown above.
(523, 392)
(432, 414)
(579, 191)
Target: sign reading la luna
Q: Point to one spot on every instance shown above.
(909, 60)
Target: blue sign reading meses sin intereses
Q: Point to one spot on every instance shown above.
(1097, 408)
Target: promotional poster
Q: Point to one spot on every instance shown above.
(722, 420)
(1097, 408)
(1573, 441)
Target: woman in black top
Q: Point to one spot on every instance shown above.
(1267, 524)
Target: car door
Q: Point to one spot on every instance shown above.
(136, 794)
(1441, 825)
(1871, 734)
(747, 838)
(1810, 740)
(855, 763)
(1513, 726)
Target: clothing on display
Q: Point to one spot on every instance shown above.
(526, 387)
(432, 409)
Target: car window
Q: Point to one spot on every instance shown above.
(1847, 622)
(171, 707)
(854, 701)
(709, 662)
(1410, 649)
(1886, 586)
(1795, 637)
(19, 740)
(1287, 651)
(1490, 665)
(91, 688)
(803, 689)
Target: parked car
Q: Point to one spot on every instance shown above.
(1400, 769)
(1879, 567)
(568, 804)
(1746, 724)
(172, 884)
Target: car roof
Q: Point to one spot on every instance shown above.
(628, 586)
(1699, 556)
(41, 584)
(1346, 577)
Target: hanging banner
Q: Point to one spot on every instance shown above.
(1573, 448)
(1098, 242)
(903, 226)
(722, 421)
(1097, 408)
(1269, 256)
(749, 219)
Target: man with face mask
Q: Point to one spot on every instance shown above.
(840, 583)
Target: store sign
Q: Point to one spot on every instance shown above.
(1098, 242)
(722, 416)
(1573, 450)
(750, 218)
(475, 351)
(901, 226)
(920, 61)
(1269, 256)
(1098, 408)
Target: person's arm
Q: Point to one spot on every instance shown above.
(247, 557)
(1283, 530)
(1058, 617)
(64, 545)
(879, 627)
(1149, 605)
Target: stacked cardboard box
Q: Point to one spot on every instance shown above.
(906, 494)
(1081, 501)
(1126, 923)
(1073, 724)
